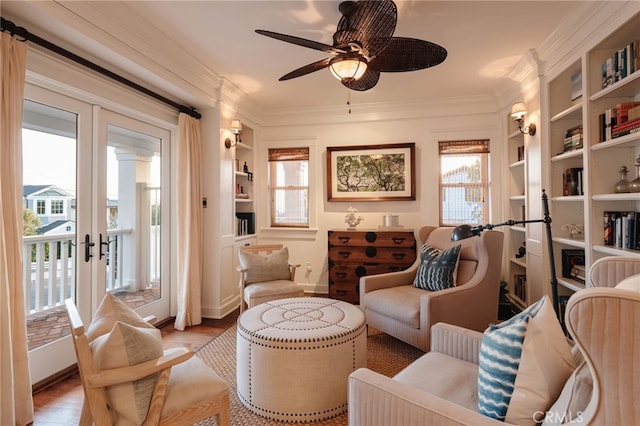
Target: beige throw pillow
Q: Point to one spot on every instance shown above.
(128, 345)
(274, 266)
(112, 309)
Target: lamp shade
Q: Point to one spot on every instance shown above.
(518, 111)
(236, 126)
(348, 68)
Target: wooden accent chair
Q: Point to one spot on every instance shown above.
(266, 274)
(183, 395)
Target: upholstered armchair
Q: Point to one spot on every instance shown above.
(609, 271)
(395, 306)
(266, 274)
(441, 387)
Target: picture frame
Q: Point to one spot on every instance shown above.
(371, 172)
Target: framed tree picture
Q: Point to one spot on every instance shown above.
(371, 173)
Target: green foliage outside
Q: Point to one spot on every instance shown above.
(30, 222)
(371, 173)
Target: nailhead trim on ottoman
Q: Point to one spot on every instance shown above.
(294, 357)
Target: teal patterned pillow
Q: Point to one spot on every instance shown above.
(438, 268)
(500, 355)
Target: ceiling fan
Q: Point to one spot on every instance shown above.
(363, 46)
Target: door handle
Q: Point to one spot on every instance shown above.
(87, 247)
(102, 244)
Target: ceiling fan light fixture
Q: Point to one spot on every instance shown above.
(349, 68)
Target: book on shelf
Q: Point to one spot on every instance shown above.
(520, 152)
(572, 181)
(625, 128)
(520, 286)
(634, 113)
(622, 229)
(573, 138)
(622, 111)
(573, 264)
(576, 85)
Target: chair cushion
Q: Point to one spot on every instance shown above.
(274, 266)
(573, 400)
(123, 346)
(438, 269)
(630, 283)
(516, 378)
(190, 383)
(110, 311)
(401, 303)
(272, 288)
(447, 377)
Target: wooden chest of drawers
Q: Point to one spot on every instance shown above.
(353, 254)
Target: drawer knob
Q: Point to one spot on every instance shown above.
(398, 240)
(344, 254)
(399, 256)
(341, 292)
(344, 240)
(341, 274)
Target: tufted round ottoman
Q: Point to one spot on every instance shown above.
(294, 357)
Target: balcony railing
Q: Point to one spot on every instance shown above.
(50, 267)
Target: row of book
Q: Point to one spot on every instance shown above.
(572, 181)
(621, 120)
(621, 63)
(573, 138)
(622, 229)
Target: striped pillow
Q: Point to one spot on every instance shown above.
(438, 268)
(524, 363)
(500, 356)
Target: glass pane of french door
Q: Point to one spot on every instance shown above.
(129, 205)
(133, 215)
(53, 217)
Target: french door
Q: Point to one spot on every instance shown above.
(94, 221)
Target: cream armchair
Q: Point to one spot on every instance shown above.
(266, 274)
(393, 305)
(439, 387)
(609, 271)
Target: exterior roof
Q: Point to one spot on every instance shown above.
(51, 226)
(44, 190)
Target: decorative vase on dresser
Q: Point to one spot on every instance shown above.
(354, 254)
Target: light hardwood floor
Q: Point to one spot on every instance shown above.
(61, 403)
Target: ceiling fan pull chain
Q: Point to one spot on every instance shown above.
(349, 100)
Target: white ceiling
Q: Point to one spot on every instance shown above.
(484, 40)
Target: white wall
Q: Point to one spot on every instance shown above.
(424, 131)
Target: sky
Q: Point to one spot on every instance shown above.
(49, 159)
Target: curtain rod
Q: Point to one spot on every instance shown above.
(14, 30)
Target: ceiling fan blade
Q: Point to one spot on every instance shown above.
(301, 42)
(408, 54)
(369, 22)
(307, 69)
(368, 80)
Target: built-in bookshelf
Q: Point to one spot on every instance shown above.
(580, 149)
(244, 206)
(516, 235)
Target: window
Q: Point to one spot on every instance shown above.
(57, 206)
(289, 187)
(464, 182)
(41, 207)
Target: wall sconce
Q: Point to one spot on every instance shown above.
(518, 111)
(236, 127)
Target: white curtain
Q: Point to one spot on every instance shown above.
(189, 233)
(16, 404)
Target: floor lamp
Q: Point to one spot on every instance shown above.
(462, 232)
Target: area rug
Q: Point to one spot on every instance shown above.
(385, 355)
